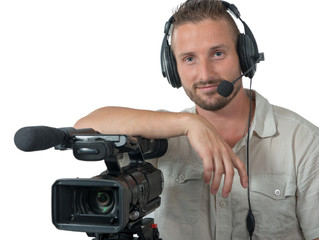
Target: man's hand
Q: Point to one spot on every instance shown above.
(217, 156)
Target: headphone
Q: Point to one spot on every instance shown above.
(246, 48)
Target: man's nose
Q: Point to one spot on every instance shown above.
(206, 70)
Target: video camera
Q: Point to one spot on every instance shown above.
(111, 205)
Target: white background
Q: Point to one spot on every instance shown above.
(61, 59)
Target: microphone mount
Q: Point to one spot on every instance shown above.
(90, 145)
(118, 151)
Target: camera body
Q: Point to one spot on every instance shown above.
(118, 198)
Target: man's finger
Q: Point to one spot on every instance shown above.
(208, 170)
(239, 165)
(218, 173)
(228, 178)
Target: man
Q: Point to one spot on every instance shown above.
(207, 141)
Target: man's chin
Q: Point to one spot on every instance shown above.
(211, 105)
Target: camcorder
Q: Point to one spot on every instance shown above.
(113, 204)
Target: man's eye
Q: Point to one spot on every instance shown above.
(218, 54)
(189, 59)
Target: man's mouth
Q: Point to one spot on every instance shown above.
(207, 87)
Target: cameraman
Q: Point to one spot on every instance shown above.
(208, 141)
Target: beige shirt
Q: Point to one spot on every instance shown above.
(284, 182)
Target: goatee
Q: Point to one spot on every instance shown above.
(213, 101)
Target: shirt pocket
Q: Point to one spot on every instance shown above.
(273, 201)
(182, 194)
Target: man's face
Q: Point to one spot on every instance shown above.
(206, 54)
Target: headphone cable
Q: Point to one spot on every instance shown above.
(250, 220)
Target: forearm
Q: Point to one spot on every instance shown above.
(150, 124)
(217, 156)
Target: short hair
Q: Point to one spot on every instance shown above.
(194, 11)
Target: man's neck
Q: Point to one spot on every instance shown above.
(231, 122)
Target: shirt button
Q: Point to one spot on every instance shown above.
(277, 192)
(222, 204)
(180, 178)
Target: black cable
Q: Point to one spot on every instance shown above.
(250, 220)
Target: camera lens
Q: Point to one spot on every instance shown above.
(102, 202)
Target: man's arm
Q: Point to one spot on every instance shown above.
(217, 156)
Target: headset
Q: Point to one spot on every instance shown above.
(246, 48)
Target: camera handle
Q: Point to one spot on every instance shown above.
(112, 164)
(145, 229)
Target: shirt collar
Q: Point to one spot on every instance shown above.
(264, 123)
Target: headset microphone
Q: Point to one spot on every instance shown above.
(225, 88)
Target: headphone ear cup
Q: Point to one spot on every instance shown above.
(168, 61)
(170, 67)
(247, 54)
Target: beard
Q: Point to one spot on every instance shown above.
(211, 101)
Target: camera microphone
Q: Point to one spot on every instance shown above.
(225, 88)
(37, 138)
